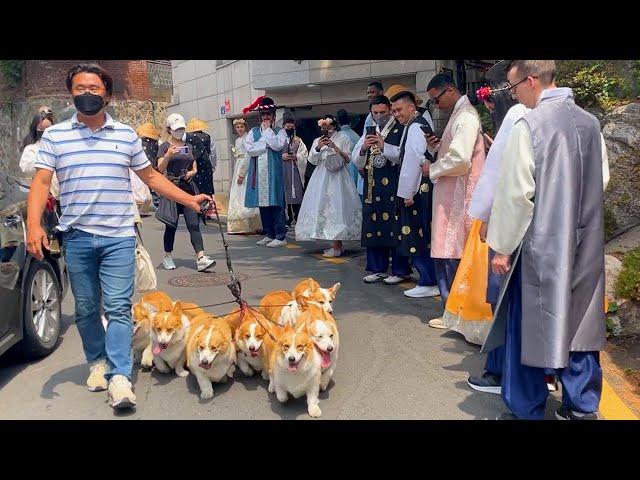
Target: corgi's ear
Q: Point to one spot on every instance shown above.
(303, 302)
(334, 289)
(177, 307)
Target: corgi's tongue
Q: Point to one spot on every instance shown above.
(292, 367)
(254, 353)
(326, 359)
(157, 349)
(206, 366)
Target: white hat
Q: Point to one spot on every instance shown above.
(176, 121)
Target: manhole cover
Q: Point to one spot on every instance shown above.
(205, 280)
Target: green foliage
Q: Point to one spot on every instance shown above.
(485, 118)
(12, 71)
(628, 283)
(595, 84)
(610, 224)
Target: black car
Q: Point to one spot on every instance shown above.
(31, 291)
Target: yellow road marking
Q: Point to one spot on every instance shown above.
(407, 285)
(612, 407)
(291, 245)
(329, 259)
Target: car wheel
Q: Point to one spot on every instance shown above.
(42, 310)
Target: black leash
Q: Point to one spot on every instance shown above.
(234, 285)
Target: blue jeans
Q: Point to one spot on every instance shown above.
(273, 222)
(103, 269)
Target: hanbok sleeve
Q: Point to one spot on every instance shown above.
(254, 148)
(275, 142)
(457, 160)
(314, 155)
(357, 159)
(410, 171)
(301, 155)
(512, 209)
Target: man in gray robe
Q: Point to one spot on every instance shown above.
(547, 230)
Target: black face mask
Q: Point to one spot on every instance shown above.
(290, 131)
(88, 104)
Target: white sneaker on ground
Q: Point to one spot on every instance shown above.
(96, 381)
(120, 393)
(276, 243)
(437, 323)
(422, 292)
(375, 277)
(333, 253)
(168, 264)
(204, 262)
(264, 241)
(395, 280)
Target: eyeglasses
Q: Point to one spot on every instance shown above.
(436, 99)
(512, 88)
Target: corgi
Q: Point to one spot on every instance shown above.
(254, 344)
(211, 353)
(191, 310)
(168, 336)
(311, 289)
(323, 330)
(282, 307)
(294, 367)
(142, 313)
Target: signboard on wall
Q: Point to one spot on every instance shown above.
(227, 106)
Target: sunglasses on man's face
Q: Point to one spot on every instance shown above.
(436, 99)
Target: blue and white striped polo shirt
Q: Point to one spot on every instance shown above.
(93, 171)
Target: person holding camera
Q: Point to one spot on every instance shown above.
(414, 195)
(377, 153)
(454, 173)
(294, 155)
(331, 208)
(177, 162)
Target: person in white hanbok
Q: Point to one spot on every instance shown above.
(241, 219)
(331, 208)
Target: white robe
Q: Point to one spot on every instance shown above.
(239, 218)
(331, 208)
(484, 192)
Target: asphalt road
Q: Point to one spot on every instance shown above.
(391, 365)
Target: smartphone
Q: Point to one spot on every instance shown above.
(371, 130)
(184, 149)
(427, 129)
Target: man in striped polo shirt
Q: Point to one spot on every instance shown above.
(92, 155)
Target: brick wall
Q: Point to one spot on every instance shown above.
(47, 77)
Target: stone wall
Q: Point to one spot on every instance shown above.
(622, 197)
(15, 118)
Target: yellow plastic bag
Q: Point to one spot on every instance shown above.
(467, 310)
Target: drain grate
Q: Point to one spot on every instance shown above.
(205, 280)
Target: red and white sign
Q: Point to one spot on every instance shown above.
(227, 106)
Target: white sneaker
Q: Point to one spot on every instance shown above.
(375, 277)
(422, 292)
(437, 323)
(120, 393)
(264, 241)
(168, 264)
(96, 380)
(395, 280)
(204, 262)
(333, 253)
(276, 243)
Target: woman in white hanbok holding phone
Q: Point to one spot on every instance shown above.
(331, 208)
